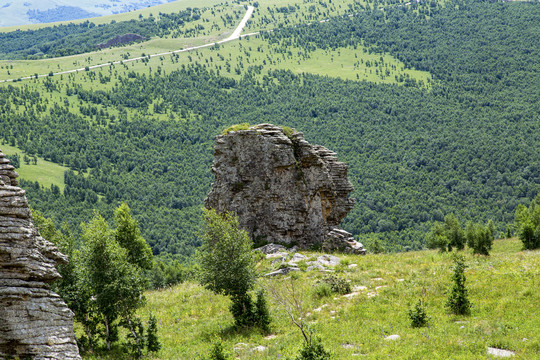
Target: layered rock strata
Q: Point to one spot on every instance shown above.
(34, 321)
(283, 189)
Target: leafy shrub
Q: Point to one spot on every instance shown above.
(322, 289)
(337, 284)
(314, 350)
(218, 352)
(288, 131)
(237, 127)
(458, 302)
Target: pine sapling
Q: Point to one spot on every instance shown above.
(418, 314)
(152, 341)
(262, 313)
(458, 302)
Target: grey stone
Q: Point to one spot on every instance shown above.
(271, 249)
(328, 260)
(316, 267)
(283, 189)
(283, 271)
(500, 352)
(280, 255)
(259, 348)
(392, 337)
(34, 321)
(341, 240)
(298, 257)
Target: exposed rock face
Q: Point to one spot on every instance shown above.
(34, 322)
(283, 189)
(121, 40)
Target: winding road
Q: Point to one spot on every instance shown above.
(234, 36)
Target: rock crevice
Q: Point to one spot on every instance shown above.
(283, 189)
(34, 321)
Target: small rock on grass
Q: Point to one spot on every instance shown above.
(500, 352)
(259, 348)
(392, 337)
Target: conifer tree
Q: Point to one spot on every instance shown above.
(458, 302)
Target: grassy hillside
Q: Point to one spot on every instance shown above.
(502, 289)
(15, 12)
(45, 172)
(427, 124)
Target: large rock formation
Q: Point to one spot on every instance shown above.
(34, 322)
(283, 189)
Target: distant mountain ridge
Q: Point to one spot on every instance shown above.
(13, 13)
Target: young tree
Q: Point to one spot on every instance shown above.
(290, 299)
(458, 302)
(454, 233)
(528, 224)
(480, 238)
(117, 285)
(227, 263)
(436, 238)
(152, 341)
(128, 235)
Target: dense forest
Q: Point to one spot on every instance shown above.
(70, 39)
(466, 144)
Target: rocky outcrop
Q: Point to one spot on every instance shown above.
(121, 40)
(34, 322)
(283, 189)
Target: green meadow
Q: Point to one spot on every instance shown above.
(502, 289)
(45, 172)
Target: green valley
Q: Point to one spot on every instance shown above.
(427, 128)
(434, 106)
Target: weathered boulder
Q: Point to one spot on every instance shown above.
(283, 189)
(34, 321)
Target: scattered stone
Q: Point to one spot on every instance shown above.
(240, 346)
(282, 188)
(352, 266)
(392, 337)
(320, 308)
(259, 348)
(348, 346)
(277, 261)
(400, 280)
(328, 260)
(500, 352)
(316, 267)
(359, 288)
(277, 255)
(283, 271)
(380, 287)
(371, 294)
(298, 257)
(35, 322)
(271, 249)
(270, 337)
(341, 240)
(377, 279)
